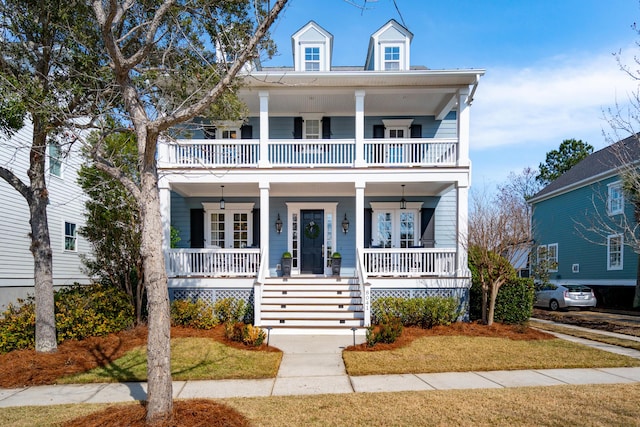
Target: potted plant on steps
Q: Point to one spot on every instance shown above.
(286, 264)
(336, 263)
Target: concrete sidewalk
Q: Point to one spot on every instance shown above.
(313, 365)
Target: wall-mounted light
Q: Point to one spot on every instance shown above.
(278, 225)
(222, 197)
(403, 201)
(345, 224)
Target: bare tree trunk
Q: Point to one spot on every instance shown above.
(492, 303)
(40, 243)
(485, 301)
(159, 396)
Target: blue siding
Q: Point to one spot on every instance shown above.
(445, 218)
(431, 128)
(343, 127)
(557, 220)
(281, 127)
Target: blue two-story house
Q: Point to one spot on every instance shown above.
(369, 161)
(581, 225)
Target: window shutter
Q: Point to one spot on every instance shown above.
(368, 215)
(246, 132)
(297, 127)
(326, 128)
(427, 227)
(209, 132)
(197, 228)
(256, 228)
(416, 131)
(378, 131)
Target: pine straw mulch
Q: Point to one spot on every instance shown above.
(186, 413)
(26, 367)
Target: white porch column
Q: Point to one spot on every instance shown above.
(360, 244)
(264, 219)
(165, 215)
(359, 161)
(462, 197)
(264, 129)
(463, 128)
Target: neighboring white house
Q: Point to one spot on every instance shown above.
(65, 214)
(370, 161)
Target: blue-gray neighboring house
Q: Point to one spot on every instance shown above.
(577, 225)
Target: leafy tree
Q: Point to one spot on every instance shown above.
(170, 61)
(570, 152)
(113, 222)
(48, 65)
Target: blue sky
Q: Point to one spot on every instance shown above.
(550, 69)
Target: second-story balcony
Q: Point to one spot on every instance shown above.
(246, 153)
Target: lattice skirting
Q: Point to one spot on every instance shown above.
(461, 294)
(212, 295)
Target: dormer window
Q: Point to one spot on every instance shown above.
(312, 46)
(312, 58)
(392, 58)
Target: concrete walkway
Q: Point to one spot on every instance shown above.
(313, 365)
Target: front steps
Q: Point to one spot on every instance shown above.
(312, 305)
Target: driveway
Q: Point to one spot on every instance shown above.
(622, 323)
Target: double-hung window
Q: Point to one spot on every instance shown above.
(55, 159)
(615, 246)
(70, 237)
(615, 198)
(392, 58)
(548, 257)
(312, 58)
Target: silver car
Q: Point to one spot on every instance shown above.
(564, 296)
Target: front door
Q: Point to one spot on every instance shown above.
(312, 242)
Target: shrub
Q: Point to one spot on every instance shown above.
(195, 314)
(234, 331)
(423, 312)
(81, 312)
(253, 335)
(230, 310)
(18, 326)
(514, 303)
(387, 332)
(95, 310)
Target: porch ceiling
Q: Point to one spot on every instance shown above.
(295, 189)
(423, 92)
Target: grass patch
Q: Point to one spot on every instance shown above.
(460, 354)
(611, 404)
(620, 342)
(191, 359)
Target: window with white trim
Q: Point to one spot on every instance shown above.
(312, 58)
(70, 237)
(393, 227)
(615, 244)
(548, 257)
(230, 227)
(615, 199)
(312, 129)
(55, 159)
(392, 58)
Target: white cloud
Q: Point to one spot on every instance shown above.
(560, 98)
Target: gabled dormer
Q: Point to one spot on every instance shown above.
(389, 48)
(312, 46)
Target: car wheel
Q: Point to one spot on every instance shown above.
(553, 305)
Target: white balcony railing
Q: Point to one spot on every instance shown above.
(245, 153)
(212, 262)
(410, 262)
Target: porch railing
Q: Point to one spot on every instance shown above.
(410, 262)
(309, 153)
(220, 153)
(212, 262)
